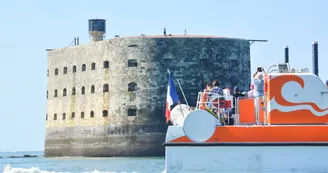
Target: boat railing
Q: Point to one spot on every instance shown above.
(216, 102)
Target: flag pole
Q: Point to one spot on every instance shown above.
(182, 92)
(168, 71)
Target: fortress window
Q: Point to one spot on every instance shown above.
(92, 114)
(64, 116)
(132, 86)
(64, 92)
(73, 91)
(234, 63)
(83, 90)
(93, 66)
(105, 113)
(92, 89)
(132, 112)
(74, 69)
(65, 70)
(83, 67)
(133, 45)
(56, 71)
(106, 64)
(168, 61)
(55, 93)
(73, 114)
(82, 114)
(105, 88)
(203, 62)
(132, 63)
(55, 116)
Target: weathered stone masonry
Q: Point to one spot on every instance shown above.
(120, 90)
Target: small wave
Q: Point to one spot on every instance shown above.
(9, 169)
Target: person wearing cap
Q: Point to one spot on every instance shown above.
(236, 94)
(258, 92)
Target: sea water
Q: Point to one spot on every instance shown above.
(41, 164)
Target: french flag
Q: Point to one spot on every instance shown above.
(171, 98)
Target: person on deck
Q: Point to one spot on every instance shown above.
(258, 92)
(236, 94)
(204, 98)
(251, 91)
(226, 91)
(217, 92)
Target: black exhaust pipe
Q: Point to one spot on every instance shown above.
(315, 58)
(286, 55)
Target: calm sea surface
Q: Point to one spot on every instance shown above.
(77, 164)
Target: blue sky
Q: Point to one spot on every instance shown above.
(29, 27)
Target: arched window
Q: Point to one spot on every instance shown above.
(105, 88)
(83, 90)
(64, 92)
(132, 86)
(106, 64)
(55, 116)
(46, 117)
(64, 116)
(92, 89)
(74, 69)
(73, 91)
(105, 113)
(65, 70)
(56, 71)
(82, 114)
(55, 93)
(73, 114)
(83, 67)
(47, 94)
(47, 72)
(132, 63)
(92, 114)
(93, 66)
(132, 112)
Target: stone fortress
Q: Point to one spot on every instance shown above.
(107, 98)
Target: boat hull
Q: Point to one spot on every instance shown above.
(184, 158)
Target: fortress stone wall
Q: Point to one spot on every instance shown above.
(107, 98)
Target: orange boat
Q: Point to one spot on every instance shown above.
(292, 135)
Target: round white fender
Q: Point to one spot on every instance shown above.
(199, 125)
(176, 116)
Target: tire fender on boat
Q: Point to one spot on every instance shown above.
(199, 125)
